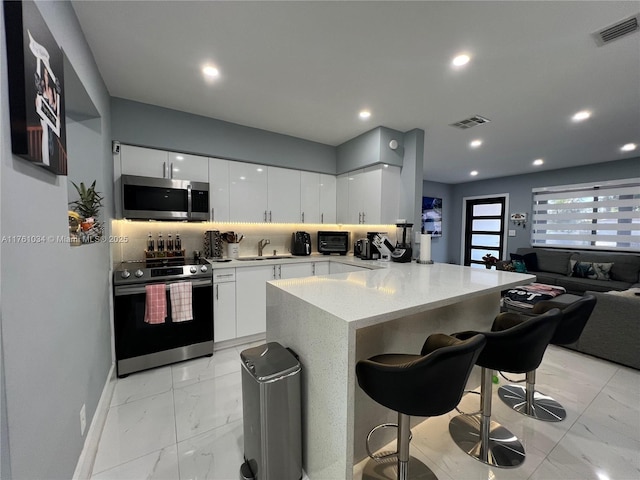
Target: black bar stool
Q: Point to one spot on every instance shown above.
(527, 400)
(511, 347)
(424, 385)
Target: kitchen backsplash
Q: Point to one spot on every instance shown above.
(130, 237)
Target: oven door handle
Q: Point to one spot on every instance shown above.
(140, 288)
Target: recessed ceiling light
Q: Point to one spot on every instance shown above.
(461, 60)
(474, 173)
(629, 147)
(365, 114)
(210, 71)
(475, 143)
(580, 116)
(538, 161)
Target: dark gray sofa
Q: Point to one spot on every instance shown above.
(554, 268)
(613, 330)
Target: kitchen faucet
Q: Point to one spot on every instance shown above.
(261, 244)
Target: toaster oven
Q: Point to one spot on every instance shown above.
(333, 242)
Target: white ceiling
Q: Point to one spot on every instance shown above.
(307, 68)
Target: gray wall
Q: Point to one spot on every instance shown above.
(150, 126)
(368, 149)
(520, 198)
(440, 251)
(56, 349)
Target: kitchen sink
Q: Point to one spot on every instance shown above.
(268, 257)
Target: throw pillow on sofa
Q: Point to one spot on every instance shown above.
(591, 270)
(530, 261)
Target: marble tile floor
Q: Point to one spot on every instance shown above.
(185, 422)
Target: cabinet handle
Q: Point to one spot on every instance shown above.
(363, 217)
(313, 269)
(274, 272)
(213, 214)
(171, 170)
(164, 169)
(359, 217)
(279, 271)
(217, 292)
(322, 218)
(302, 217)
(270, 220)
(265, 215)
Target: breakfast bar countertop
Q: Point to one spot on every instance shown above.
(333, 321)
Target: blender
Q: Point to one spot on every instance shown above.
(402, 253)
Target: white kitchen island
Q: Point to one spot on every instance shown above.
(333, 321)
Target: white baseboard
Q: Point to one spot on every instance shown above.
(84, 467)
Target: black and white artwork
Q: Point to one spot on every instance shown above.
(432, 216)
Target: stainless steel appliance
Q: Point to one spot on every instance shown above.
(164, 199)
(140, 345)
(271, 413)
(402, 253)
(333, 242)
(300, 243)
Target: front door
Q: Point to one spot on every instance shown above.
(484, 229)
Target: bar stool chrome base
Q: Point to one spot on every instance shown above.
(387, 469)
(503, 449)
(529, 402)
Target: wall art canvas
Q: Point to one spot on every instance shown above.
(36, 88)
(432, 216)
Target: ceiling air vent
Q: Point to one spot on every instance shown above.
(620, 29)
(470, 122)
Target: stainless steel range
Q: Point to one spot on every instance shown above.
(140, 344)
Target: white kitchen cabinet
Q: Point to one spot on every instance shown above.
(295, 270)
(327, 198)
(369, 196)
(247, 192)
(251, 299)
(317, 198)
(219, 190)
(321, 268)
(183, 166)
(283, 198)
(150, 162)
(224, 305)
(146, 162)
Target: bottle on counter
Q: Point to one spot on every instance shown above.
(178, 244)
(150, 243)
(160, 243)
(169, 244)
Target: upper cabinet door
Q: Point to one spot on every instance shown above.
(342, 198)
(146, 162)
(248, 192)
(219, 189)
(327, 198)
(369, 184)
(310, 197)
(188, 167)
(283, 195)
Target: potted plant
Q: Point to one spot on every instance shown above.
(88, 207)
(489, 260)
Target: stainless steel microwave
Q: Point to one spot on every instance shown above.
(164, 199)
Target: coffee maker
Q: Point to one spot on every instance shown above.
(402, 253)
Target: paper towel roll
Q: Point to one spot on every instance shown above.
(425, 248)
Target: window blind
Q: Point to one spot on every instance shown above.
(601, 215)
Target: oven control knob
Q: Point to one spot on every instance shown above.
(203, 268)
(125, 274)
(139, 273)
(193, 269)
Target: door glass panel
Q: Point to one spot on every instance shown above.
(478, 253)
(485, 210)
(485, 240)
(486, 225)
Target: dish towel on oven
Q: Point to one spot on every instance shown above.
(181, 301)
(155, 310)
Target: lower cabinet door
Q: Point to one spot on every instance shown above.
(251, 299)
(321, 268)
(224, 311)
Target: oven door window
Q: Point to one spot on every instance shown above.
(134, 337)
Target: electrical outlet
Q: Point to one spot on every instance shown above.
(83, 419)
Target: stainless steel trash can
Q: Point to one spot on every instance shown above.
(271, 412)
